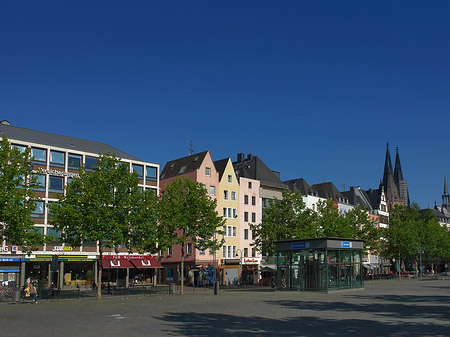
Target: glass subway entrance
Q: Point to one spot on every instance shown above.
(319, 264)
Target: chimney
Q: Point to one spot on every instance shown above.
(5, 122)
(240, 157)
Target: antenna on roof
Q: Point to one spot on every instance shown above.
(191, 150)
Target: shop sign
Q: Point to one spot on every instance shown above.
(6, 249)
(59, 173)
(251, 260)
(8, 259)
(75, 258)
(41, 258)
(62, 249)
(346, 244)
(300, 245)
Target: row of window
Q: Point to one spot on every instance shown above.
(253, 217)
(229, 213)
(230, 231)
(246, 200)
(227, 194)
(74, 161)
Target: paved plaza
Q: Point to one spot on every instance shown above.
(383, 308)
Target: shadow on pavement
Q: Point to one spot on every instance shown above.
(195, 324)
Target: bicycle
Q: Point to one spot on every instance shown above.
(9, 290)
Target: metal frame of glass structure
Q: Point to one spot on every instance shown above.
(324, 264)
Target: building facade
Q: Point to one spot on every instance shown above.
(56, 160)
(198, 263)
(249, 206)
(228, 203)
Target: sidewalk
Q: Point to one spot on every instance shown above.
(383, 308)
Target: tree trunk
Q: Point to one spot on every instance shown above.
(99, 276)
(182, 270)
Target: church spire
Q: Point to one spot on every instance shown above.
(445, 196)
(387, 166)
(398, 174)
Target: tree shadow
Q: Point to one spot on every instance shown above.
(400, 310)
(201, 324)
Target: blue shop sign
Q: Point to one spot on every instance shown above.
(300, 245)
(10, 259)
(346, 244)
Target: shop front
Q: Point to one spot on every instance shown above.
(128, 270)
(249, 270)
(68, 270)
(319, 264)
(9, 269)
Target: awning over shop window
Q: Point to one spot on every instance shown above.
(146, 263)
(130, 261)
(116, 263)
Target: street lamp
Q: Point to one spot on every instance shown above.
(240, 266)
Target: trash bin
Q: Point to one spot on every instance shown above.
(16, 295)
(172, 288)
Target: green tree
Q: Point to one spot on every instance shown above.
(284, 219)
(17, 200)
(106, 205)
(188, 214)
(289, 219)
(401, 238)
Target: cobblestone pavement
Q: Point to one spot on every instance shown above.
(383, 308)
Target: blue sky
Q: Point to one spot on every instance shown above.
(315, 89)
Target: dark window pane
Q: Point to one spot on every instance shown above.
(74, 160)
(91, 162)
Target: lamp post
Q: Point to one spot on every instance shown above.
(240, 266)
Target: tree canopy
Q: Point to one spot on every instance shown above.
(105, 205)
(410, 232)
(17, 199)
(289, 218)
(188, 215)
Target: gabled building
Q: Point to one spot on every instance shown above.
(313, 194)
(249, 213)
(271, 186)
(200, 168)
(228, 202)
(249, 169)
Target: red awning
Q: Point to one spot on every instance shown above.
(116, 263)
(146, 263)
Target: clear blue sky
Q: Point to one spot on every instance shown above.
(314, 88)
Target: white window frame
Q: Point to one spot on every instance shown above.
(230, 179)
(233, 195)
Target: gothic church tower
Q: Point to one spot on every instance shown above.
(393, 182)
